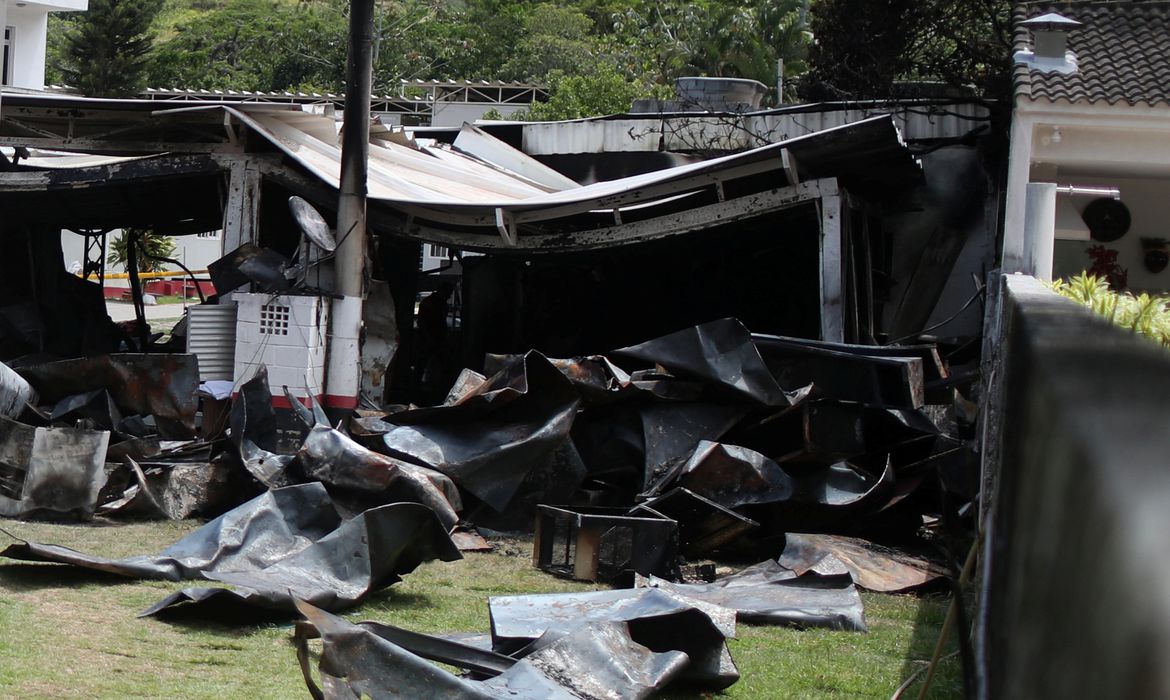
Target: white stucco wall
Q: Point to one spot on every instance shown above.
(30, 21)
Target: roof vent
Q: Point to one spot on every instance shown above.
(1049, 39)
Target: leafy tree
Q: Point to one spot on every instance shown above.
(147, 241)
(603, 91)
(727, 39)
(264, 45)
(554, 39)
(105, 52)
(864, 47)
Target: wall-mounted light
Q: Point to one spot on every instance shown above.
(1055, 138)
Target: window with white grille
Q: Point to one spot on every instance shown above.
(274, 319)
(436, 251)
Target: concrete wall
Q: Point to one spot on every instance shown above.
(1148, 200)
(30, 23)
(1075, 603)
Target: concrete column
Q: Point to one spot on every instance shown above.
(1039, 230)
(343, 374)
(1019, 172)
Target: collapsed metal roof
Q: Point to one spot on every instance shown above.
(478, 193)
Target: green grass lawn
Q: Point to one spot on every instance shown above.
(68, 633)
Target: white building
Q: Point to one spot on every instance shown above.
(25, 24)
(1092, 118)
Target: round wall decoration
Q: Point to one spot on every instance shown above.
(1108, 219)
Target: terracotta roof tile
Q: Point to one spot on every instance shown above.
(1122, 52)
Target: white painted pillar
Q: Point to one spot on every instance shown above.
(3, 24)
(832, 258)
(1039, 230)
(1019, 172)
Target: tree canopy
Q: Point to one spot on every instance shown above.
(593, 54)
(105, 52)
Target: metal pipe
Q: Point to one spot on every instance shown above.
(1089, 191)
(343, 374)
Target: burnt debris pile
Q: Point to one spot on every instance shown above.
(651, 468)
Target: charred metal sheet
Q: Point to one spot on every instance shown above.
(556, 478)
(933, 367)
(480, 661)
(602, 544)
(466, 384)
(56, 472)
(893, 382)
(255, 535)
(825, 430)
(871, 566)
(249, 263)
(720, 353)
(767, 593)
(337, 460)
(469, 540)
(671, 431)
(703, 525)
(596, 662)
(365, 554)
(735, 476)
(666, 386)
(596, 379)
(159, 385)
(379, 339)
(254, 432)
(492, 439)
(180, 490)
(96, 406)
(282, 544)
(658, 619)
(15, 393)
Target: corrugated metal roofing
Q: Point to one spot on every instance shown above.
(461, 193)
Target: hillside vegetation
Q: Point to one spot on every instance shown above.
(606, 52)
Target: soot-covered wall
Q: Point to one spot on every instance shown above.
(765, 272)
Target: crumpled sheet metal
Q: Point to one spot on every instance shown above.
(15, 393)
(768, 593)
(492, 438)
(254, 535)
(335, 459)
(596, 379)
(658, 619)
(365, 554)
(179, 490)
(871, 566)
(734, 476)
(594, 662)
(159, 385)
(879, 380)
(50, 471)
(672, 431)
(722, 354)
(282, 544)
(253, 431)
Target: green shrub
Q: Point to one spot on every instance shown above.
(1143, 314)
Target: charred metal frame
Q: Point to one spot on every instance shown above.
(580, 531)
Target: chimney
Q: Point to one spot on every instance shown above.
(1049, 44)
